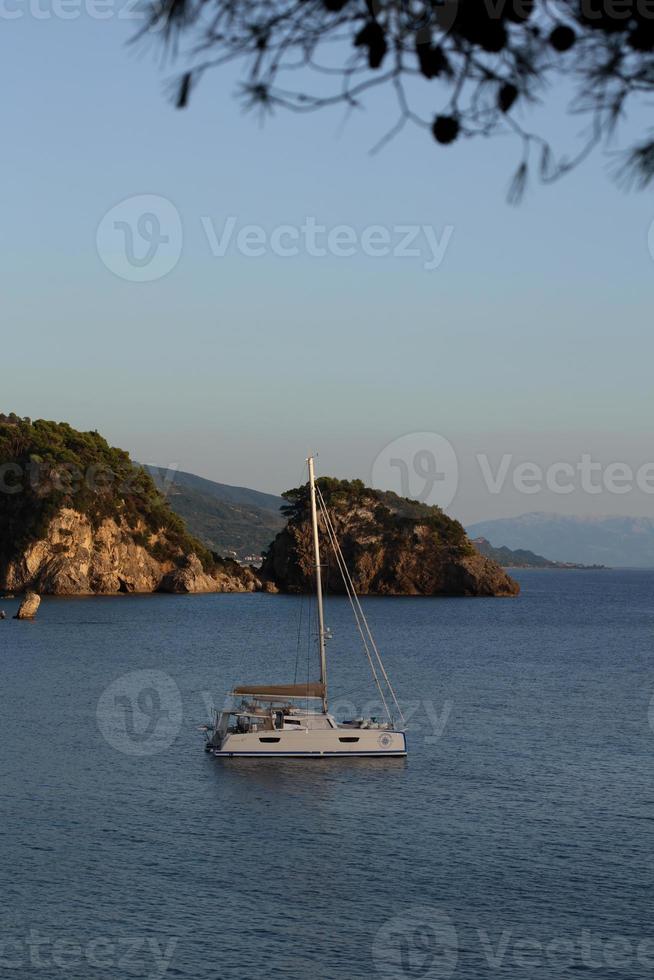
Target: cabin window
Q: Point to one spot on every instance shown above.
(268, 739)
(349, 738)
(292, 721)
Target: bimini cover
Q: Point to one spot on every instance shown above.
(274, 691)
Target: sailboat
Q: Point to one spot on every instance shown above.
(271, 721)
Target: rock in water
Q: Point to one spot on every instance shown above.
(190, 577)
(29, 606)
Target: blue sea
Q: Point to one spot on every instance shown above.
(515, 841)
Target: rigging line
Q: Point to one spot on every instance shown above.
(299, 639)
(365, 621)
(309, 650)
(348, 588)
(366, 648)
(364, 642)
(324, 559)
(349, 694)
(346, 574)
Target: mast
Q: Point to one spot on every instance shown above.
(316, 548)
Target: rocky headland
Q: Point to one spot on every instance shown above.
(77, 517)
(392, 546)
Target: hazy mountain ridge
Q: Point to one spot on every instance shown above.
(620, 542)
(225, 518)
(520, 557)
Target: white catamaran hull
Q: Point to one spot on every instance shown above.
(313, 744)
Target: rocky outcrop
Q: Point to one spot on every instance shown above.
(478, 575)
(29, 606)
(81, 518)
(391, 547)
(191, 577)
(75, 557)
(237, 578)
(188, 577)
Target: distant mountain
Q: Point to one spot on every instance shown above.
(520, 558)
(614, 541)
(225, 518)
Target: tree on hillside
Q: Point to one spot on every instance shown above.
(485, 59)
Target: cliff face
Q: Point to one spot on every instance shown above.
(76, 558)
(79, 517)
(391, 547)
(73, 558)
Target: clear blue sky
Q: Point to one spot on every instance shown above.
(532, 338)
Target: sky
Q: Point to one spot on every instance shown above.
(479, 373)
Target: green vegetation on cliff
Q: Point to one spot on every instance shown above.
(391, 545)
(395, 516)
(46, 466)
